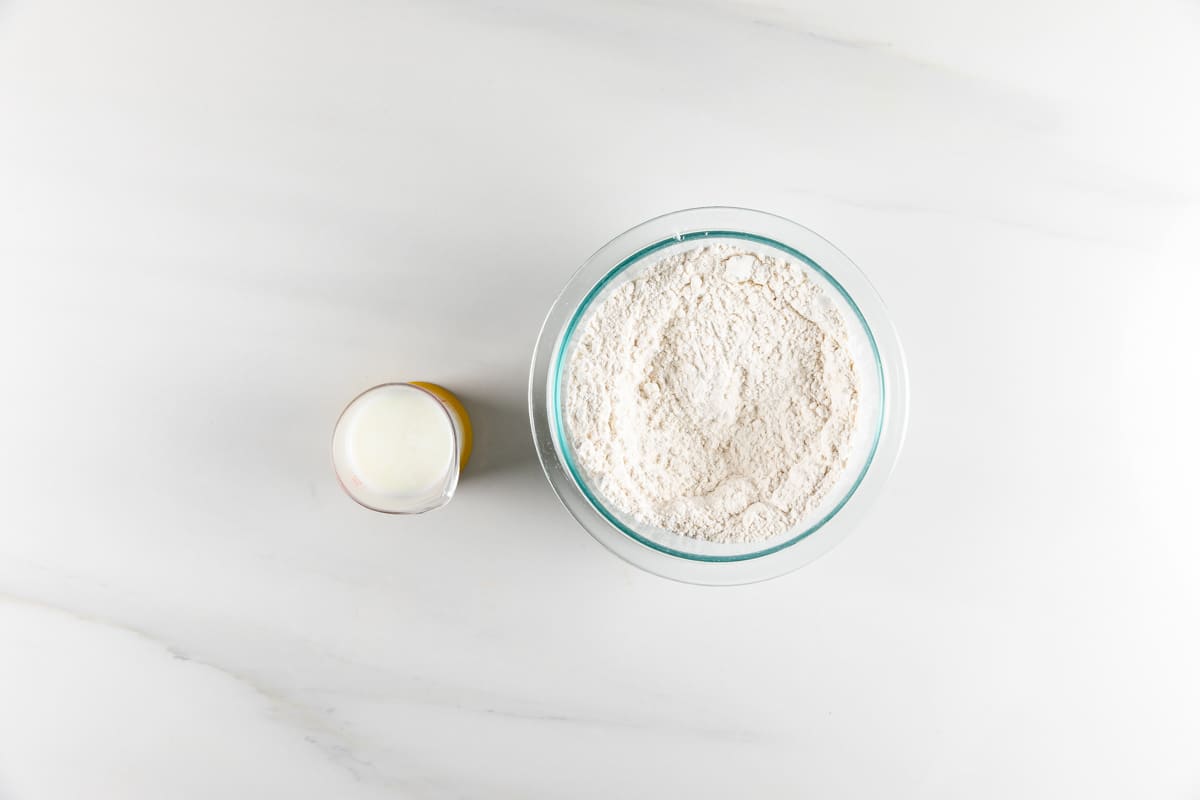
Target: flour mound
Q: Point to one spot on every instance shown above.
(714, 395)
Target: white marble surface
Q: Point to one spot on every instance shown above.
(218, 221)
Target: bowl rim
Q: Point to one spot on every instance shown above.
(634, 246)
(560, 354)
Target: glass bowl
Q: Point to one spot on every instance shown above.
(882, 412)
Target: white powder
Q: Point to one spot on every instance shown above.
(714, 395)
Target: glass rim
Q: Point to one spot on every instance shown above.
(452, 478)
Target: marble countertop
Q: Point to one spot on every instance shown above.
(219, 221)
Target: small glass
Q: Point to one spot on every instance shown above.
(399, 448)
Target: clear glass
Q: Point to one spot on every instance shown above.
(883, 399)
(435, 496)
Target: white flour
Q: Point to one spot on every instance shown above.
(714, 395)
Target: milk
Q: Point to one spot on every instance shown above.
(396, 448)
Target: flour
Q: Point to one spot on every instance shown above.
(714, 395)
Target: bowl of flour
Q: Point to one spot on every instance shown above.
(717, 395)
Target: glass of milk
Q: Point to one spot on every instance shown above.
(400, 447)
